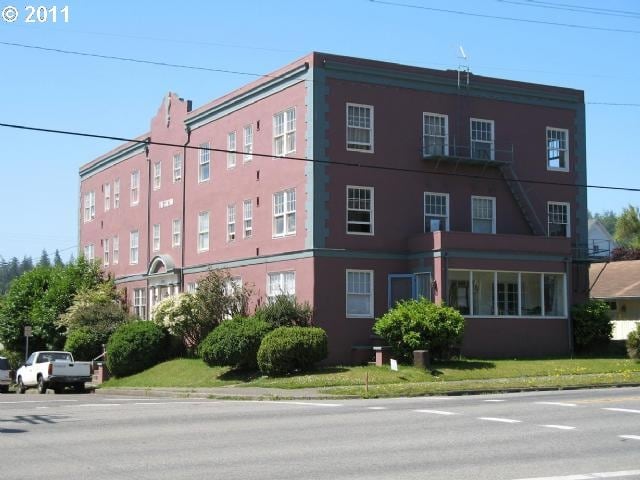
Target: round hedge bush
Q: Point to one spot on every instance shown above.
(287, 349)
(134, 347)
(633, 343)
(234, 343)
(85, 343)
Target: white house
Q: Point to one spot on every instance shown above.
(601, 243)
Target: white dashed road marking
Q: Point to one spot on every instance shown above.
(98, 405)
(436, 412)
(626, 410)
(630, 437)
(312, 404)
(502, 420)
(559, 427)
(41, 401)
(590, 476)
(559, 404)
(377, 408)
(495, 400)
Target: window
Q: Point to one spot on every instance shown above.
(248, 143)
(133, 247)
(558, 219)
(134, 196)
(483, 214)
(281, 283)
(482, 139)
(156, 237)
(231, 149)
(203, 231)
(116, 193)
(359, 127)
(435, 140)
(507, 294)
(116, 250)
(105, 252)
(231, 223)
(557, 149)
(89, 252)
(192, 287)
(204, 157)
(247, 218)
(139, 302)
(177, 167)
(360, 293)
(89, 206)
(284, 213)
(284, 132)
(360, 210)
(107, 197)
(176, 232)
(157, 175)
(436, 212)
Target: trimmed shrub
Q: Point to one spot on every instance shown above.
(591, 324)
(288, 349)
(234, 343)
(85, 343)
(421, 325)
(134, 347)
(285, 311)
(633, 343)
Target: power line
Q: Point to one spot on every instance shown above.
(311, 160)
(509, 19)
(615, 104)
(574, 8)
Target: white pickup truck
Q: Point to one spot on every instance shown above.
(54, 370)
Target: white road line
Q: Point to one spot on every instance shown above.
(630, 437)
(559, 427)
(176, 403)
(559, 404)
(436, 412)
(312, 404)
(627, 410)
(377, 408)
(494, 400)
(503, 420)
(589, 476)
(41, 401)
(98, 405)
(42, 408)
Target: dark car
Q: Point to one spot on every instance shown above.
(5, 375)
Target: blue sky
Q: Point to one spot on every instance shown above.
(39, 176)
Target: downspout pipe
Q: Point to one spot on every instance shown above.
(187, 129)
(146, 152)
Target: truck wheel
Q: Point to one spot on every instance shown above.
(42, 386)
(78, 387)
(20, 386)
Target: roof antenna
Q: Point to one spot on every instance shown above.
(463, 68)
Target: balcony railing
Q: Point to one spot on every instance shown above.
(477, 152)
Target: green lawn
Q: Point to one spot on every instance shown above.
(446, 376)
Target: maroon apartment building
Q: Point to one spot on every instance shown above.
(353, 183)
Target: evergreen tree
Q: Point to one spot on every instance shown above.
(44, 259)
(57, 260)
(26, 264)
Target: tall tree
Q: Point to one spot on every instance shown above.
(628, 227)
(608, 219)
(44, 259)
(26, 264)
(57, 260)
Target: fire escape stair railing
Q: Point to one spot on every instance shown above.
(522, 199)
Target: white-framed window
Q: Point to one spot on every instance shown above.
(177, 167)
(204, 162)
(107, 197)
(359, 210)
(483, 214)
(176, 232)
(281, 283)
(359, 127)
(116, 193)
(482, 139)
(231, 149)
(139, 302)
(557, 149)
(89, 206)
(156, 237)
(435, 134)
(436, 212)
(89, 252)
(105, 252)
(248, 143)
(359, 294)
(116, 250)
(247, 218)
(558, 219)
(134, 194)
(482, 293)
(284, 213)
(203, 231)
(157, 175)
(231, 222)
(192, 287)
(134, 238)
(284, 132)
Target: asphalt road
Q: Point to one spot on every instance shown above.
(571, 435)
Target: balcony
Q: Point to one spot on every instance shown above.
(497, 243)
(476, 153)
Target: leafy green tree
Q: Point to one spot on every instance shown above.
(628, 227)
(179, 315)
(608, 219)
